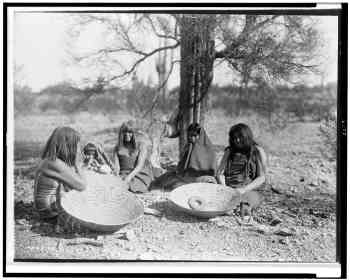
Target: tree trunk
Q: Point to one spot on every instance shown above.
(196, 71)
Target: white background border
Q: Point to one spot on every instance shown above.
(322, 270)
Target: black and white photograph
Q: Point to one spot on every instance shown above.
(169, 134)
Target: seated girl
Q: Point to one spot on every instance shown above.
(131, 158)
(96, 159)
(59, 170)
(197, 163)
(243, 165)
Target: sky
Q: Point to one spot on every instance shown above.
(41, 43)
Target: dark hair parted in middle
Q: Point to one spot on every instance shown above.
(127, 127)
(245, 134)
(62, 144)
(248, 145)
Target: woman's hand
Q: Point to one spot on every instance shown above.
(128, 179)
(241, 191)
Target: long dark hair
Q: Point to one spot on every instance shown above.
(126, 127)
(249, 146)
(63, 144)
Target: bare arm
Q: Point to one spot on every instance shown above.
(140, 162)
(59, 170)
(220, 171)
(261, 171)
(116, 162)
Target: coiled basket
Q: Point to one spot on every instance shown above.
(105, 205)
(204, 200)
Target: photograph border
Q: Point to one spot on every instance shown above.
(295, 8)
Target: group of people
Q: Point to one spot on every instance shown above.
(242, 165)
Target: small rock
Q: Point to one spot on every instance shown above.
(181, 232)
(283, 241)
(22, 222)
(275, 221)
(262, 229)
(201, 227)
(59, 245)
(130, 235)
(284, 232)
(301, 179)
(313, 184)
(145, 256)
(213, 220)
(220, 223)
(99, 238)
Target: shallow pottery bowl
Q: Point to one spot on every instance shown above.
(204, 200)
(104, 206)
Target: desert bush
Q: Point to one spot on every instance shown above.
(24, 100)
(328, 134)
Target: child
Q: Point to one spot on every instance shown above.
(243, 166)
(58, 170)
(197, 163)
(96, 159)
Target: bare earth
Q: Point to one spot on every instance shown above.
(295, 222)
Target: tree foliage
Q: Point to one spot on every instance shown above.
(260, 50)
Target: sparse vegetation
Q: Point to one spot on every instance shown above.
(328, 133)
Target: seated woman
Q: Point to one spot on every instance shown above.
(197, 163)
(243, 166)
(131, 159)
(58, 170)
(96, 159)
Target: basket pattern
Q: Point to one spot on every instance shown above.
(104, 206)
(216, 199)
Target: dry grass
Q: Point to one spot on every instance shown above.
(300, 182)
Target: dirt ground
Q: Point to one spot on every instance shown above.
(296, 221)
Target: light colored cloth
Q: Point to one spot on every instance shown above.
(101, 162)
(197, 164)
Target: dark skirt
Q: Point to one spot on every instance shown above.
(171, 180)
(141, 182)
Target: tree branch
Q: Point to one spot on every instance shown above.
(156, 32)
(145, 56)
(156, 97)
(229, 51)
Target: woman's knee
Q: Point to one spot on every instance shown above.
(138, 188)
(252, 198)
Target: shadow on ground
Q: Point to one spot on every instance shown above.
(26, 218)
(171, 213)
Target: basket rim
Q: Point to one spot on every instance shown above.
(138, 202)
(201, 212)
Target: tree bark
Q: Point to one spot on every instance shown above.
(196, 71)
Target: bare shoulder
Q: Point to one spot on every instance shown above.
(263, 155)
(58, 165)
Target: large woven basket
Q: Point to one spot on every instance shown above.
(105, 205)
(217, 199)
